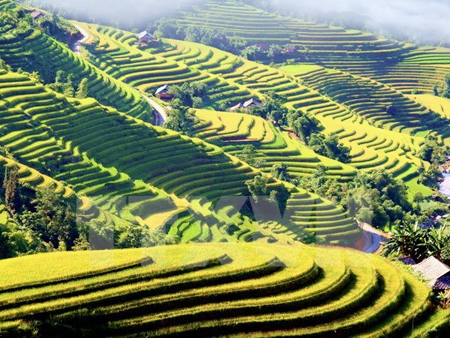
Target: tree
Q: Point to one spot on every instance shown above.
(329, 146)
(272, 108)
(446, 86)
(60, 77)
(249, 155)
(83, 89)
(280, 171)
(258, 186)
(191, 94)
(408, 239)
(304, 125)
(274, 51)
(180, 118)
(426, 152)
(391, 110)
(197, 102)
(53, 219)
(11, 190)
(418, 197)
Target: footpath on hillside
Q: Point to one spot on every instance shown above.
(160, 113)
(374, 238)
(77, 45)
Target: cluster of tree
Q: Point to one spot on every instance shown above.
(64, 84)
(306, 127)
(443, 88)
(375, 198)
(309, 130)
(272, 108)
(413, 240)
(249, 155)
(432, 152)
(169, 28)
(180, 118)
(58, 28)
(330, 147)
(191, 94)
(49, 23)
(43, 221)
(272, 53)
(436, 155)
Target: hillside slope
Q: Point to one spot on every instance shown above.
(32, 50)
(118, 162)
(403, 66)
(215, 290)
(377, 139)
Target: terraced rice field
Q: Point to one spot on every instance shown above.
(377, 139)
(403, 66)
(232, 131)
(117, 54)
(33, 49)
(30, 117)
(241, 21)
(375, 144)
(217, 290)
(112, 158)
(439, 105)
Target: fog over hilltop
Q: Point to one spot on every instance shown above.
(423, 21)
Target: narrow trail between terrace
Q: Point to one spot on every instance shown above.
(161, 115)
(77, 46)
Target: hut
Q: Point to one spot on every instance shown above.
(436, 272)
(146, 37)
(251, 102)
(163, 93)
(37, 14)
(237, 107)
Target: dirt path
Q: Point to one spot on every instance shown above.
(161, 116)
(374, 238)
(77, 46)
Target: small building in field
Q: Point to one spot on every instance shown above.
(436, 272)
(146, 37)
(163, 93)
(251, 102)
(245, 105)
(237, 107)
(37, 14)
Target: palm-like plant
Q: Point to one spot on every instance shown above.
(438, 239)
(410, 239)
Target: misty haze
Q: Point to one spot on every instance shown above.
(421, 21)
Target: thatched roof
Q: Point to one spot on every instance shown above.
(432, 269)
